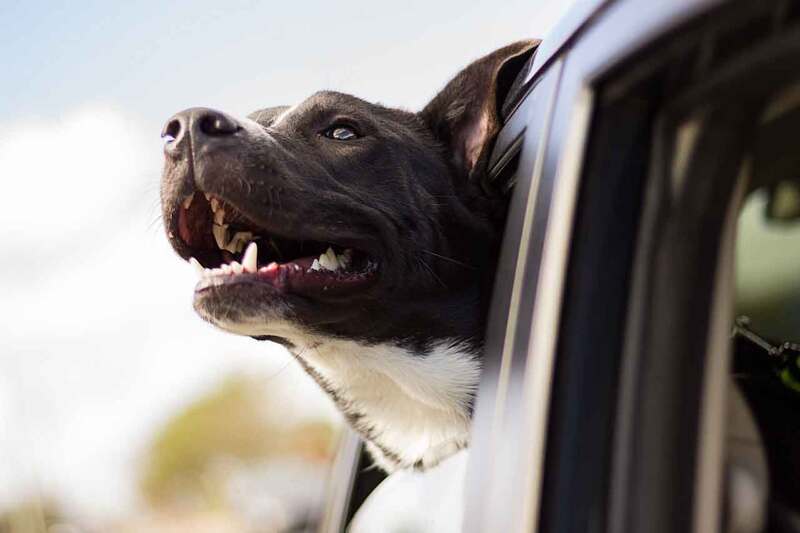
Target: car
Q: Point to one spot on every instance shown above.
(647, 280)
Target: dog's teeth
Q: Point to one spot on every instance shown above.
(219, 216)
(214, 204)
(326, 263)
(220, 235)
(331, 254)
(208, 196)
(226, 269)
(236, 268)
(197, 266)
(188, 201)
(315, 265)
(250, 259)
(328, 260)
(240, 238)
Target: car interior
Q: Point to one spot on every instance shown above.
(745, 141)
(763, 463)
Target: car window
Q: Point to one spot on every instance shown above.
(650, 428)
(766, 357)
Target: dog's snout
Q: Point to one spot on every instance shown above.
(198, 123)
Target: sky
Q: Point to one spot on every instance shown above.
(98, 341)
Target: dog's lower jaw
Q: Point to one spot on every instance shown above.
(412, 408)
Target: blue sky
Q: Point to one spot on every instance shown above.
(100, 344)
(152, 58)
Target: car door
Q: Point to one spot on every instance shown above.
(622, 420)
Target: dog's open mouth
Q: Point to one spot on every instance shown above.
(227, 248)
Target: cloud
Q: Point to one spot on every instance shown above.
(100, 344)
(62, 176)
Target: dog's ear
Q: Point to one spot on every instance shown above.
(465, 115)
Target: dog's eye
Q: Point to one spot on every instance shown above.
(341, 133)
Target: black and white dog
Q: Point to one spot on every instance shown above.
(357, 236)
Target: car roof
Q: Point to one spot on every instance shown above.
(576, 17)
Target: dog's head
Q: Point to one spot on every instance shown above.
(368, 223)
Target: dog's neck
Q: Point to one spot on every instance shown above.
(412, 407)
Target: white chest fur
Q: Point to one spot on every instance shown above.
(412, 408)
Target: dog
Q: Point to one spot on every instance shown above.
(360, 238)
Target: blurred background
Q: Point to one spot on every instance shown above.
(120, 410)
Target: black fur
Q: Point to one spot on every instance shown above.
(406, 192)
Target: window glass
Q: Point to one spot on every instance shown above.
(768, 262)
(766, 362)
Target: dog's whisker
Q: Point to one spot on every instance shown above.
(427, 267)
(277, 373)
(450, 259)
(152, 225)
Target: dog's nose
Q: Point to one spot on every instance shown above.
(200, 123)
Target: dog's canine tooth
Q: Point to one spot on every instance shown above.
(328, 260)
(327, 263)
(197, 266)
(322, 261)
(219, 217)
(315, 265)
(188, 201)
(214, 204)
(236, 268)
(250, 259)
(220, 235)
(208, 196)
